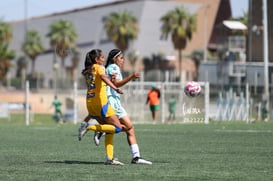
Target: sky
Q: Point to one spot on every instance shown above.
(12, 10)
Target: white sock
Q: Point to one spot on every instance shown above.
(135, 150)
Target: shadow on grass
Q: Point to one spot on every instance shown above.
(75, 162)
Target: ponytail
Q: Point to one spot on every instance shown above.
(90, 59)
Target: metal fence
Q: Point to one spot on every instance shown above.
(227, 106)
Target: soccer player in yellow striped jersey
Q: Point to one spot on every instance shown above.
(97, 104)
(114, 62)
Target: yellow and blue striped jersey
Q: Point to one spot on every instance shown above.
(96, 98)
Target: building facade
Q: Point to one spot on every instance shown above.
(91, 34)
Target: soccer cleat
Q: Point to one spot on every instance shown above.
(82, 130)
(114, 161)
(97, 136)
(139, 160)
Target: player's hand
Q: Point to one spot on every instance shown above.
(136, 75)
(119, 91)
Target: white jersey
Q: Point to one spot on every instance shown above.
(113, 69)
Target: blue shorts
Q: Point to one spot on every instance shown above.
(116, 105)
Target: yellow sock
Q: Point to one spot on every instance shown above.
(109, 147)
(107, 128)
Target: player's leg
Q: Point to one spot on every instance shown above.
(126, 121)
(153, 109)
(97, 137)
(132, 141)
(107, 118)
(109, 148)
(92, 110)
(128, 127)
(84, 124)
(119, 110)
(83, 127)
(112, 120)
(154, 115)
(111, 125)
(155, 112)
(107, 128)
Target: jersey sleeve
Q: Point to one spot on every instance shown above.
(113, 70)
(101, 70)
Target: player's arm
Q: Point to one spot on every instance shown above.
(147, 100)
(120, 83)
(108, 82)
(158, 92)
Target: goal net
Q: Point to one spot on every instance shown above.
(187, 109)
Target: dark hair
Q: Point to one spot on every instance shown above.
(90, 59)
(112, 54)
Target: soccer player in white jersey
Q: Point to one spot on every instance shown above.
(114, 62)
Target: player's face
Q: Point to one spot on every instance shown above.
(119, 60)
(100, 59)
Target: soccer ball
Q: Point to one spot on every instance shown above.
(192, 89)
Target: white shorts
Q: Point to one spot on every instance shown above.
(116, 105)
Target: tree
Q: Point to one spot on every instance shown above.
(32, 47)
(133, 57)
(121, 27)
(63, 37)
(6, 55)
(21, 69)
(5, 32)
(181, 25)
(244, 18)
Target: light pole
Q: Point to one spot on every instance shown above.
(250, 32)
(55, 69)
(265, 51)
(205, 31)
(24, 73)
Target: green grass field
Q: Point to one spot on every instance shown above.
(190, 152)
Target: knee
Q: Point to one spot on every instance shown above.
(127, 125)
(130, 130)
